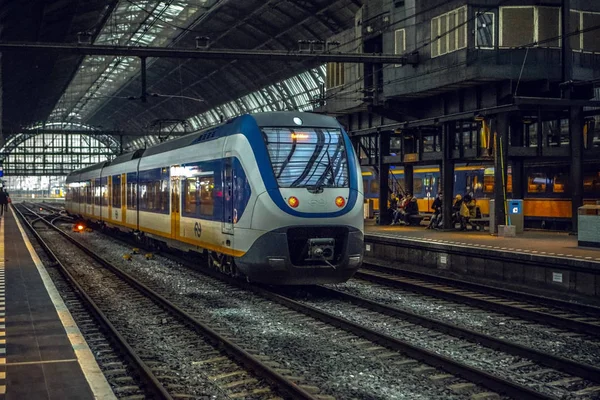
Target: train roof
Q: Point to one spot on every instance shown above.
(267, 119)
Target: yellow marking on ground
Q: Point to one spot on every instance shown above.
(44, 362)
(2, 389)
(2, 375)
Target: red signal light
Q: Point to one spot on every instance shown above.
(80, 227)
(340, 201)
(293, 202)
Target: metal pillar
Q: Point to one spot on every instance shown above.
(408, 178)
(384, 175)
(500, 169)
(144, 81)
(448, 132)
(576, 179)
(567, 54)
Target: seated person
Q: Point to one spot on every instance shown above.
(436, 219)
(412, 208)
(401, 210)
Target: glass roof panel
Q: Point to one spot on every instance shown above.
(143, 23)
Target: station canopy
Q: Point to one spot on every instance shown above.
(184, 95)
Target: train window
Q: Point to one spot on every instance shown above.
(560, 183)
(132, 191)
(191, 199)
(591, 184)
(206, 187)
(417, 186)
(104, 191)
(154, 190)
(116, 191)
(488, 184)
(97, 192)
(307, 157)
(374, 187)
(88, 192)
(536, 183)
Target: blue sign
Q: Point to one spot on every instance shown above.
(515, 206)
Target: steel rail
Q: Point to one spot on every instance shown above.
(559, 363)
(469, 373)
(252, 363)
(479, 302)
(493, 290)
(145, 372)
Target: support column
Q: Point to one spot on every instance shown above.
(576, 178)
(384, 175)
(500, 168)
(447, 172)
(409, 178)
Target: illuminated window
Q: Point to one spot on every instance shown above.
(560, 183)
(449, 32)
(488, 184)
(536, 183)
(335, 75)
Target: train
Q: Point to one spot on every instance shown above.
(546, 203)
(275, 198)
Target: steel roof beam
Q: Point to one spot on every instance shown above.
(217, 54)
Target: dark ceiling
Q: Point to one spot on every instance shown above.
(33, 84)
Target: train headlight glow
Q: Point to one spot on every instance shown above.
(293, 202)
(340, 201)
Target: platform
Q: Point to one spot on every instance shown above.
(550, 244)
(545, 259)
(45, 355)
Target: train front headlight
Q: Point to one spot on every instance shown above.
(293, 201)
(340, 201)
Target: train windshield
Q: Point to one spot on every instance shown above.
(307, 157)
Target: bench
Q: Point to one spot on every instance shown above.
(480, 223)
(416, 219)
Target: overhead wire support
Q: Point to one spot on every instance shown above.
(207, 54)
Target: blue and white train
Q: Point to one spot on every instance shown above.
(275, 197)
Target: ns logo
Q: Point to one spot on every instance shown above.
(197, 229)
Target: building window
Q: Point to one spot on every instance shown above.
(590, 36)
(525, 26)
(399, 42)
(335, 75)
(449, 32)
(484, 30)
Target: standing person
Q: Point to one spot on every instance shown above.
(3, 201)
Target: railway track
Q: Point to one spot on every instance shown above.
(458, 381)
(535, 374)
(565, 315)
(115, 297)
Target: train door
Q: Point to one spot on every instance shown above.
(175, 206)
(227, 221)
